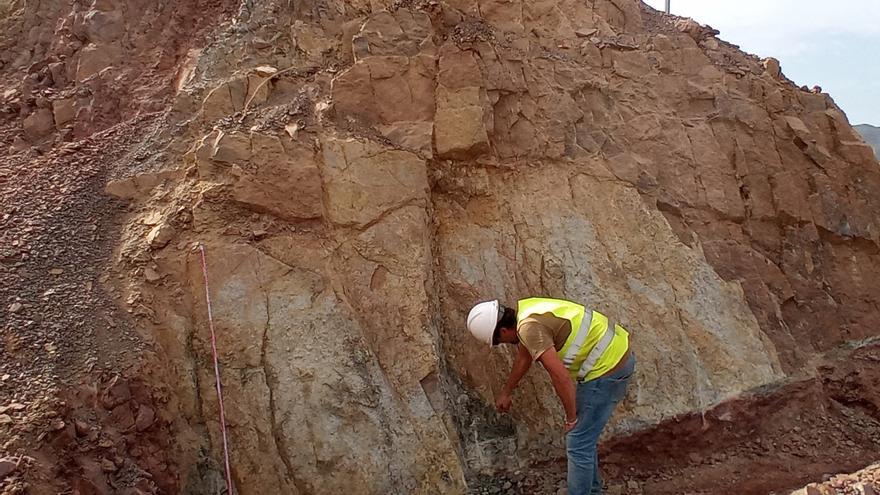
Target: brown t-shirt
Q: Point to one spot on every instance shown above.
(539, 332)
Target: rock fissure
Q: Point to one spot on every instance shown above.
(271, 383)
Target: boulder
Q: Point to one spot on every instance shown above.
(64, 110)
(39, 124)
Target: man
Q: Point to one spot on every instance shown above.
(590, 366)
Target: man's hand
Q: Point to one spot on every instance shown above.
(569, 425)
(503, 403)
(521, 364)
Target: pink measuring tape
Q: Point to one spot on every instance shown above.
(216, 372)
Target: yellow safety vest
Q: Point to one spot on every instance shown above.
(591, 348)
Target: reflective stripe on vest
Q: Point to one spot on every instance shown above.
(589, 337)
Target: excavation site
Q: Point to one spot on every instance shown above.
(240, 241)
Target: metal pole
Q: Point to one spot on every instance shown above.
(668, 6)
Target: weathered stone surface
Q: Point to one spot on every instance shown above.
(63, 111)
(160, 235)
(459, 129)
(94, 58)
(411, 136)
(363, 181)
(460, 122)
(39, 124)
(234, 147)
(386, 89)
(103, 26)
(232, 96)
(303, 347)
(285, 184)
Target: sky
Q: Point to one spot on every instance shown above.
(835, 44)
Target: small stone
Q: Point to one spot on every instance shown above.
(7, 467)
(151, 275)
(108, 466)
(632, 484)
(56, 271)
(260, 43)
(57, 424)
(145, 418)
(152, 218)
(15, 307)
(64, 111)
(5, 419)
(39, 124)
(16, 406)
(82, 428)
(507, 485)
(160, 236)
(5, 377)
(19, 144)
(265, 71)
(586, 32)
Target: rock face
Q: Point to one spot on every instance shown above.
(413, 158)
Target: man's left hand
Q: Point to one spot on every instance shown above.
(503, 403)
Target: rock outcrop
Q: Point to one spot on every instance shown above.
(361, 173)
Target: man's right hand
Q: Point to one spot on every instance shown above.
(503, 403)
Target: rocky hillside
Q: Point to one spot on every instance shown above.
(359, 174)
(871, 135)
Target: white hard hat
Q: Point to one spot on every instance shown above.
(482, 319)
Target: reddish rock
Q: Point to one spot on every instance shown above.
(39, 124)
(7, 467)
(82, 428)
(145, 418)
(122, 416)
(108, 466)
(116, 392)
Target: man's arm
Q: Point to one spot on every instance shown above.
(521, 365)
(562, 382)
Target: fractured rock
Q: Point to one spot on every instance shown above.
(285, 184)
(63, 110)
(231, 148)
(160, 235)
(39, 124)
(363, 180)
(7, 467)
(94, 58)
(459, 130)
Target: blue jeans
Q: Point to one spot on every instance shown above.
(596, 400)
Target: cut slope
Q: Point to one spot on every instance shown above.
(362, 172)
